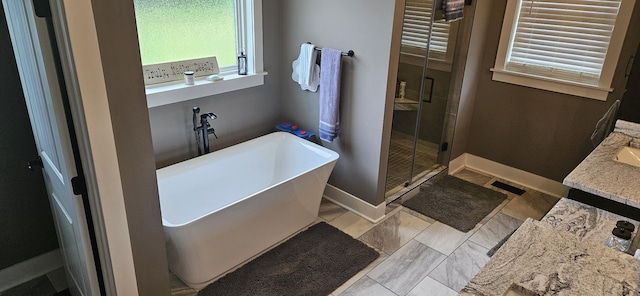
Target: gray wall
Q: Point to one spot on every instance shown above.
(364, 26)
(469, 53)
(537, 131)
(630, 107)
(27, 228)
(242, 115)
(116, 32)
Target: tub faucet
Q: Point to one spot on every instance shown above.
(204, 128)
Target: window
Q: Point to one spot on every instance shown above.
(566, 46)
(173, 31)
(183, 30)
(415, 35)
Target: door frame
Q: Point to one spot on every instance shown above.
(42, 10)
(65, 45)
(106, 91)
(37, 40)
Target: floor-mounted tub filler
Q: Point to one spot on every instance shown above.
(223, 208)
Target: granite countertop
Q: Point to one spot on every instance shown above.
(601, 175)
(550, 261)
(584, 221)
(628, 128)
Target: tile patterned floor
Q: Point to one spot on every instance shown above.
(400, 152)
(420, 256)
(426, 257)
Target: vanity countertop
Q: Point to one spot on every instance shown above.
(584, 221)
(549, 261)
(599, 174)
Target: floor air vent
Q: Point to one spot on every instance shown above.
(508, 187)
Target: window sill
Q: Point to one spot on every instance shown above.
(550, 84)
(177, 91)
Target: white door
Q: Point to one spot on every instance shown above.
(46, 112)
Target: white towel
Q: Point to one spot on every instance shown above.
(331, 62)
(305, 71)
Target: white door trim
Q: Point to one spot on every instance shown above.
(80, 54)
(45, 105)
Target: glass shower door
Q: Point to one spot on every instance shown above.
(408, 103)
(424, 75)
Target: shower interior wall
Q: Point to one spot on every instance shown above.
(433, 114)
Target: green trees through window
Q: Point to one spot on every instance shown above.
(187, 29)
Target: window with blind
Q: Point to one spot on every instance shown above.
(567, 46)
(173, 31)
(415, 32)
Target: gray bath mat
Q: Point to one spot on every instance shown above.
(455, 202)
(499, 244)
(314, 262)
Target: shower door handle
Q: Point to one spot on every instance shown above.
(433, 81)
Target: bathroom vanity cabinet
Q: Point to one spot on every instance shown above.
(565, 252)
(542, 260)
(604, 203)
(601, 181)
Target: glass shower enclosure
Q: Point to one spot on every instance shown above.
(422, 95)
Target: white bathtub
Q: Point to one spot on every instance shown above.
(220, 209)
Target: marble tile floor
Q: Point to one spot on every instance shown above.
(421, 256)
(426, 257)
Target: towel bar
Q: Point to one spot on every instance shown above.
(349, 53)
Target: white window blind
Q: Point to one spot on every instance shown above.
(415, 30)
(563, 39)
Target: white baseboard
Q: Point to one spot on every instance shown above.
(30, 269)
(358, 206)
(508, 173)
(458, 164)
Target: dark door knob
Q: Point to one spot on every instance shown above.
(37, 163)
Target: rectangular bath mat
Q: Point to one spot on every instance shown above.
(455, 202)
(314, 262)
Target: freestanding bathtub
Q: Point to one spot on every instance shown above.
(223, 208)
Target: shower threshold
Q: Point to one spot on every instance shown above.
(400, 190)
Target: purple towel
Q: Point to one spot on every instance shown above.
(330, 62)
(453, 9)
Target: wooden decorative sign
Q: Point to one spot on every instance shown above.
(158, 73)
